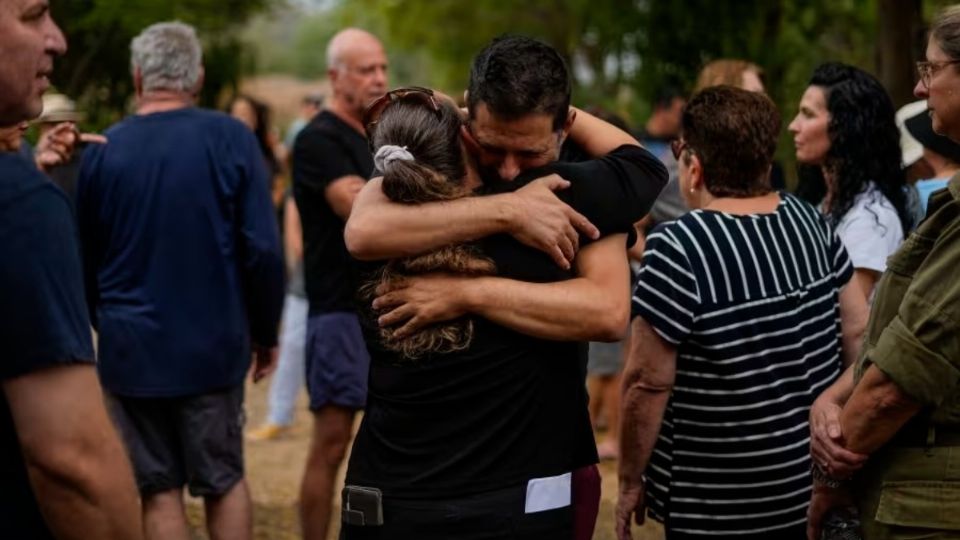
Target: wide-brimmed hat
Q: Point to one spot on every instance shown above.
(921, 127)
(59, 108)
(910, 148)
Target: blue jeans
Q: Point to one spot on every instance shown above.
(289, 377)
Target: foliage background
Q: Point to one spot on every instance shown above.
(621, 51)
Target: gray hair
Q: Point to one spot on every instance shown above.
(168, 56)
(945, 31)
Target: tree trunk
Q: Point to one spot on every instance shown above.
(900, 43)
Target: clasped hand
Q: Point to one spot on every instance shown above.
(412, 303)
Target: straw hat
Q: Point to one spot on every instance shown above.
(59, 108)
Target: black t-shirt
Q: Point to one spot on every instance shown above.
(43, 315)
(326, 150)
(511, 407)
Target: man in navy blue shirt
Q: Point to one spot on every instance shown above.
(63, 469)
(185, 280)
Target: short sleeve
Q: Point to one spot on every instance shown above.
(840, 260)
(871, 233)
(43, 316)
(666, 295)
(319, 159)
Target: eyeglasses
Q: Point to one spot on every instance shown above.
(677, 146)
(928, 69)
(371, 115)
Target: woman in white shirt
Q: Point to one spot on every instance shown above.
(849, 145)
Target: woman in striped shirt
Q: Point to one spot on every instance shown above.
(743, 316)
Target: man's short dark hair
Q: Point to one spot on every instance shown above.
(734, 133)
(516, 76)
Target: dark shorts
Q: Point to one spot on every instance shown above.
(193, 441)
(487, 516)
(337, 361)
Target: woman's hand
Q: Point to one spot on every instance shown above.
(826, 440)
(631, 506)
(823, 501)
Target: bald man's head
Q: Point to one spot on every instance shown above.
(357, 67)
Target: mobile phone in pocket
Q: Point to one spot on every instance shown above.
(362, 506)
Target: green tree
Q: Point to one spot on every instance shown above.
(96, 68)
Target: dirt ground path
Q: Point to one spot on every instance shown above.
(274, 469)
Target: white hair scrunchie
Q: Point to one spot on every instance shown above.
(389, 153)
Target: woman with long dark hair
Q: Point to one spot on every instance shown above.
(848, 145)
(256, 116)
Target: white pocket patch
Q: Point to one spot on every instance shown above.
(548, 493)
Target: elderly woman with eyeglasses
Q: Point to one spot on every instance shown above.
(895, 416)
(744, 312)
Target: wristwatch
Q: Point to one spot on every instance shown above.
(821, 478)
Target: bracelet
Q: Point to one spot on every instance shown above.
(821, 478)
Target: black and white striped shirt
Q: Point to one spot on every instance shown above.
(752, 304)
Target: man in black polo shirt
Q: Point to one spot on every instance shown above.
(64, 472)
(331, 162)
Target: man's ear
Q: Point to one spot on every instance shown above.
(137, 81)
(468, 141)
(199, 86)
(696, 173)
(333, 73)
(567, 124)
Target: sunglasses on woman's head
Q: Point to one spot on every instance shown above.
(677, 146)
(373, 111)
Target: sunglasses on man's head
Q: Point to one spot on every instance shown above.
(373, 111)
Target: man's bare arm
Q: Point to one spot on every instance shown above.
(379, 228)
(594, 306)
(76, 464)
(341, 194)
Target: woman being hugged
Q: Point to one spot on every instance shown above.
(848, 145)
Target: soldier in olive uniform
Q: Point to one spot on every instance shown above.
(886, 437)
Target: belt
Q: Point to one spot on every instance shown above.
(922, 434)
